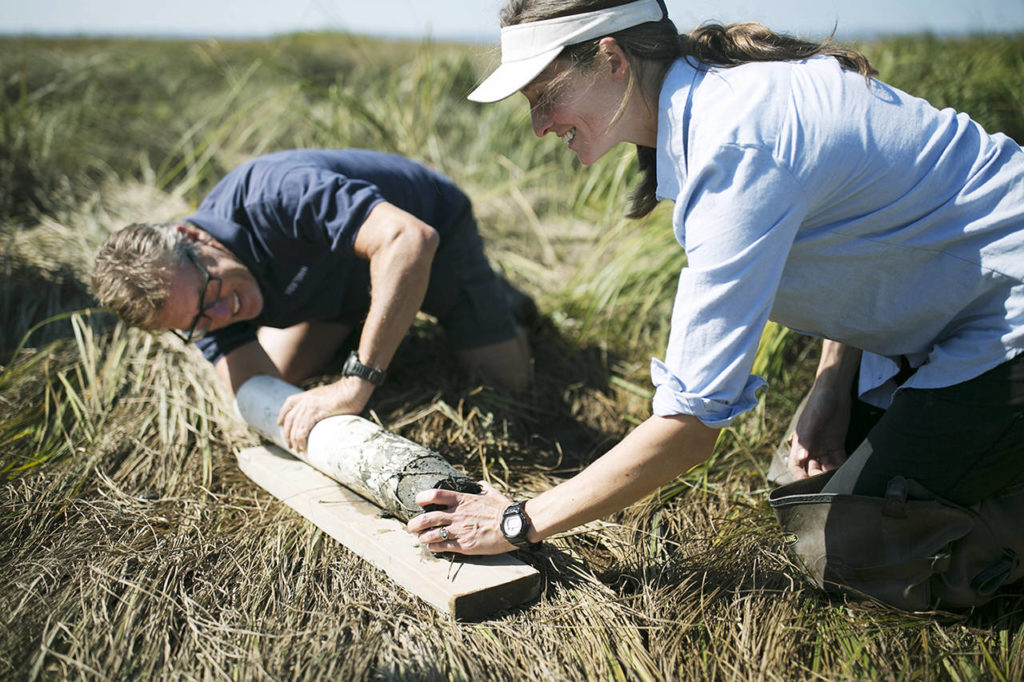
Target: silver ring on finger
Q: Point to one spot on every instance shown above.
(444, 533)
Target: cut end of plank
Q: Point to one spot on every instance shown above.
(482, 603)
(466, 588)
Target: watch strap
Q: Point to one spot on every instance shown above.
(353, 367)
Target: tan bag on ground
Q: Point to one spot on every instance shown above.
(910, 549)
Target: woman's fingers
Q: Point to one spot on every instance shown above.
(465, 523)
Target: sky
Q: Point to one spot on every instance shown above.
(476, 20)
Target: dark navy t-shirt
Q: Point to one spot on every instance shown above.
(291, 218)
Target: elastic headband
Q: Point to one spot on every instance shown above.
(527, 48)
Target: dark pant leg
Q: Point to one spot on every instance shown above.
(962, 442)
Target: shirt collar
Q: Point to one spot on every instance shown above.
(237, 240)
(673, 125)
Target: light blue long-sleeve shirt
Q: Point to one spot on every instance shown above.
(840, 208)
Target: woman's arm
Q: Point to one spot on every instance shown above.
(818, 443)
(653, 454)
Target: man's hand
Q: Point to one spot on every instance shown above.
(471, 523)
(300, 412)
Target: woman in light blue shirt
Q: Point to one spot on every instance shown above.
(804, 192)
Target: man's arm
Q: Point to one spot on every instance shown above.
(400, 248)
(244, 362)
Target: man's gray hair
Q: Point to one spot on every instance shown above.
(133, 270)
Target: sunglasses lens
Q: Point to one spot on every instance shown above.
(202, 327)
(212, 293)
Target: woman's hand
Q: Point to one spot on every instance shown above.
(818, 442)
(468, 524)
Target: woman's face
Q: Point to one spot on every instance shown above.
(578, 106)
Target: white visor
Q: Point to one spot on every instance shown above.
(527, 48)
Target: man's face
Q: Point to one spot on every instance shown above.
(238, 297)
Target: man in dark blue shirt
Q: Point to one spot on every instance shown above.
(292, 250)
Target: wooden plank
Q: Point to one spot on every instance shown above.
(468, 588)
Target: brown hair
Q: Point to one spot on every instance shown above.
(652, 48)
(132, 272)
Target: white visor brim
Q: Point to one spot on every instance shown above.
(529, 47)
(511, 77)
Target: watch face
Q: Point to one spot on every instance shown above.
(512, 525)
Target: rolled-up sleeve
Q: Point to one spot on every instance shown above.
(672, 397)
(737, 217)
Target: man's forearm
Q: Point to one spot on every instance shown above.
(243, 363)
(401, 250)
(399, 276)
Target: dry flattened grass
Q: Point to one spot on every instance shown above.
(140, 551)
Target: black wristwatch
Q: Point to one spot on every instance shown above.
(354, 368)
(515, 525)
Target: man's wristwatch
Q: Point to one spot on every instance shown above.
(354, 368)
(515, 525)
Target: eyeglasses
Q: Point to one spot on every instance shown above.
(200, 326)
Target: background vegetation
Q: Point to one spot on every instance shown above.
(132, 547)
